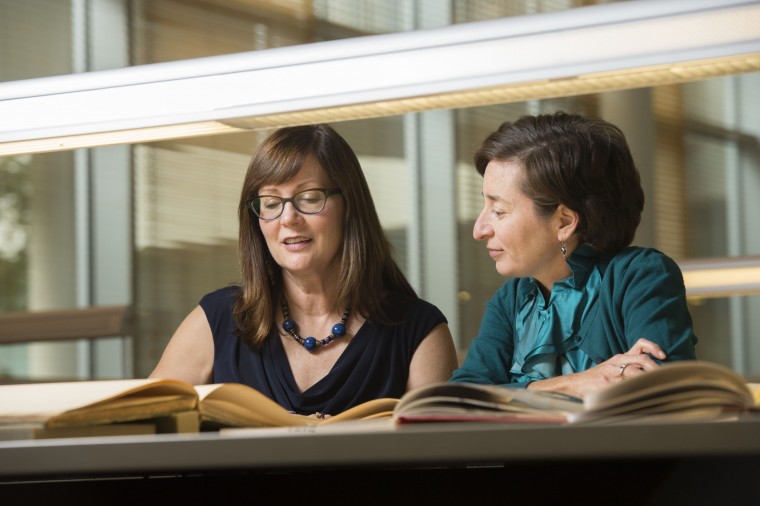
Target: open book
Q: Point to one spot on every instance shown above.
(47, 409)
(677, 391)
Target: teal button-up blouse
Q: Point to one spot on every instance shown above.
(602, 309)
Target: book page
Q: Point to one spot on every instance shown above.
(686, 387)
(499, 398)
(686, 375)
(375, 408)
(686, 404)
(240, 405)
(754, 388)
(39, 401)
(221, 412)
(124, 410)
(692, 414)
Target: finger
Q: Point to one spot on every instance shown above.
(644, 362)
(643, 346)
(635, 368)
(632, 371)
(626, 364)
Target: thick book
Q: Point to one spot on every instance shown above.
(169, 405)
(676, 391)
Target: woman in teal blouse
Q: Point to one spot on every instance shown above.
(582, 308)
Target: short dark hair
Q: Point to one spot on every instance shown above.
(582, 162)
(371, 281)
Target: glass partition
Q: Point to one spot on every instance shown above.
(170, 233)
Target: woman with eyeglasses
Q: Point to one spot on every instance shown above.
(323, 318)
(582, 309)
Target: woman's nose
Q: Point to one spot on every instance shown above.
(482, 229)
(289, 213)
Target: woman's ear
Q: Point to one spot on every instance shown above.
(567, 222)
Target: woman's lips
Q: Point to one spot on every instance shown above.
(296, 243)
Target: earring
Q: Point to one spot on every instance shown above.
(563, 248)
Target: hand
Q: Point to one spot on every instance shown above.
(626, 365)
(646, 346)
(637, 360)
(632, 363)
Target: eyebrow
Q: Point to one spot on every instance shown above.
(306, 186)
(493, 198)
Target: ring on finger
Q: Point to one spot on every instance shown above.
(622, 370)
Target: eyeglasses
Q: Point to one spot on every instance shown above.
(311, 201)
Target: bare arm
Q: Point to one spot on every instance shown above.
(636, 361)
(189, 356)
(435, 358)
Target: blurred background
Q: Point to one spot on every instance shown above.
(149, 228)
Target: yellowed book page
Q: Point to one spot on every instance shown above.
(695, 414)
(125, 410)
(755, 389)
(686, 404)
(241, 405)
(238, 405)
(376, 408)
(39, 401)
(226, 413)
(497, 398)
(687, 388)
(673, 376)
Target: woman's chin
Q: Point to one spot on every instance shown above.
(297, 267)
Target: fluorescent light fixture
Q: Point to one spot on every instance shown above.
(721, 277)
(583, 50)
(134, 135)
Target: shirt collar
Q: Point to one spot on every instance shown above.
(582, 262)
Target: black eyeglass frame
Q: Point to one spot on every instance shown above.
(255, 202)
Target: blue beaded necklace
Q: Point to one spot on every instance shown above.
(312, 343)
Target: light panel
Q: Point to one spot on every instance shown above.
(578, 85)
(583, 50)
(721, 277)
(130, 136)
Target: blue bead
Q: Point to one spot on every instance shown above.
(289, 325)
(339, 330)
(310, 343)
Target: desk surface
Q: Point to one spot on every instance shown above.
(373, 444)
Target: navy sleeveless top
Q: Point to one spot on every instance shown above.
(375, 363)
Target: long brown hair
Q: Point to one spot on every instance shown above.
(370, 280)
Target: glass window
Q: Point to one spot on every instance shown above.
(696, 146)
